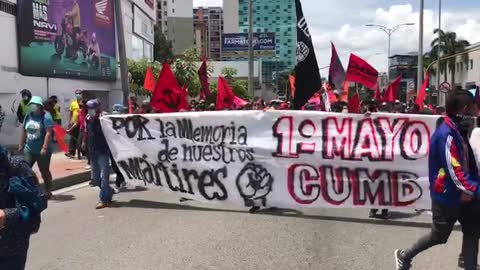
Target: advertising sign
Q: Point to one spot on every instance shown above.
(67, 39)
(143, 25)
(236, 45)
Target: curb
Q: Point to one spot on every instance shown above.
(69, 180)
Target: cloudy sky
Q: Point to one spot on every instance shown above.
(342, 21)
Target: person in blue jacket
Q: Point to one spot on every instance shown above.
(453, 179)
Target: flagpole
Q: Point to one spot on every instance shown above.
(440, 95)
(250, 48)
(122, 51)
(420, 46)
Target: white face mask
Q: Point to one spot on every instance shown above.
(92, 112)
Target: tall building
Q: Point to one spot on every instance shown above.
(27, 57)
(405, 65)
(208, 28)
(276, 16)
(175, 19)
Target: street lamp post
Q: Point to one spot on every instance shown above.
(389, 32)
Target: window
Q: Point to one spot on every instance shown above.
(471, 63)
(173, 10)
(137, 48)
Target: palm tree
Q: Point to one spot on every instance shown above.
(449, 45)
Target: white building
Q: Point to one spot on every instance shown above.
(230, 16)
(139, 43)
(467, 72)
(175, 19)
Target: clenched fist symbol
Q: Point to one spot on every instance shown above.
(254, 184)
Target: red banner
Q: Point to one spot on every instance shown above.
(167, 97)
(360, 71)
(149, 83)
(391, 94)
(60, 134)
(225, 96)
(203, 75)
(423, 92)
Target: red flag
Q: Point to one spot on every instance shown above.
(423, 91)
(168, 96)
(203, 75)
(336, 74)
(391, 94)
(354, 104)
(292, 84)
(60, 134)
(130, 106)
(225, 96)
(149, 83)
(361, 72)
(239, 103)
(378, 94)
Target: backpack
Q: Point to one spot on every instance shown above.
(28, 198)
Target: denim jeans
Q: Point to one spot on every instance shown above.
(101, 175)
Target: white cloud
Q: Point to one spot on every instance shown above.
(367, 41)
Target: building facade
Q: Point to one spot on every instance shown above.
(405, 65)
(175, 19)
(276, 16)
(108, 91)
(208, 29)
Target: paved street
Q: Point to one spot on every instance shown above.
(149, 230)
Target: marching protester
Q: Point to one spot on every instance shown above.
(35, 140)
(74, 124)
(99, 153)
(22, 109)
(453, 183)
(21, 202)
(57, 117)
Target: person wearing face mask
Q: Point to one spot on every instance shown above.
(453, 184)
(74, 126)
(35, 140)
(22, 109)
(99, 153)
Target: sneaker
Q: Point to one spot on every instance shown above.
(400, 262)
(122, 187)
(372, 213)
(69, 155)
(102, 205)
(384, 214)
(254, 209)
(88, 167)
(91, 183)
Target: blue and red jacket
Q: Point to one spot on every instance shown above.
(447, 174)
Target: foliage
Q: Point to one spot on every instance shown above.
(229, 73)
(137, 71)
(449, 45)
(186, 71)
(162, 50)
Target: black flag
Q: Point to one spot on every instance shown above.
(307, 79)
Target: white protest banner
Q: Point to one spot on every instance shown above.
(289, 159)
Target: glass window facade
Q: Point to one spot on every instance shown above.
(273, 16)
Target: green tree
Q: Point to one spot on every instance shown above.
(186, 68)
(449, 45)
(137, 71)
(162, 50)
(229, 73)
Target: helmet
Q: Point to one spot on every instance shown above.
(92, 104)
(78, 91)
(36, 100)
(25, 92)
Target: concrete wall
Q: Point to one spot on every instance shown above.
(230, 16)
(180, 32)
(183, 8)
(240, 66)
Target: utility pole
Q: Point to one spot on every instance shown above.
(121, 50)
(420, 47)
(437, 86)
(389, 32)
(250, 49)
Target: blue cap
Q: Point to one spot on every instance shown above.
(92, 104)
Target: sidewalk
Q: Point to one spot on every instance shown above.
(66, 171)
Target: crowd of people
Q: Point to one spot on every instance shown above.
(453, 167)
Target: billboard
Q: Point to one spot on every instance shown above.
(72, 39)
(236, 44)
